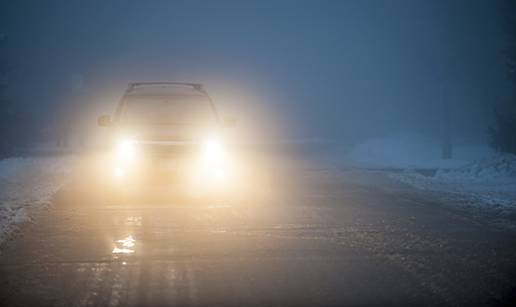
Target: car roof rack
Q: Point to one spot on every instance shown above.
(197, 86)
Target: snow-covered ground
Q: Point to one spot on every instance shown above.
(410, 150)
(489, 182)
(27, 183)
(476, 176)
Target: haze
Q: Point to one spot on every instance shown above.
(342, 70)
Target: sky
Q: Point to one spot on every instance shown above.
(344, 70)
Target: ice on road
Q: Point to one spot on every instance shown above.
(321, 239)
(27, 184)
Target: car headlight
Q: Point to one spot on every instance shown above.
(213, 150)
(214, 167)
(125, 150)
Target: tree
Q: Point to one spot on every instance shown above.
(6, 110)
(503, 132)
(14, 124)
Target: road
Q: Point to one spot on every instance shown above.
(322, 239)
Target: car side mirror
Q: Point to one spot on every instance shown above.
(104, 121)
(229, 121)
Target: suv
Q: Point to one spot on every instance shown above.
(168, 133)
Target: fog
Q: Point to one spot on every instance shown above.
(339, 70)
(258, 153)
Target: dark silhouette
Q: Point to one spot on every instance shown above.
(501, 133)
(9, 115)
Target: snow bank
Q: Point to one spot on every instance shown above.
(27, 183)
(501, 167)
(488, 182)
(411, 151)
(475, 177)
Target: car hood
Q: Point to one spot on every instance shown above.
(172, 133)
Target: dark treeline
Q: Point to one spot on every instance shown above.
(503, 131)
(20, 126)
(14, 122)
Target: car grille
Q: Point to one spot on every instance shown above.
(167, 150)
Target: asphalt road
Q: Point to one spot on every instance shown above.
(321, 239)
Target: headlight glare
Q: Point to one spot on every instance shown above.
(126, 150)
(213, 150)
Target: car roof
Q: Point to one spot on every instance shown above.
(165, 89)
(147, 89)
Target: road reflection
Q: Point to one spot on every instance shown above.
(125, 246)
(133, 221)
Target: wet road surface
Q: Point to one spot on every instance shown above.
(320, 240)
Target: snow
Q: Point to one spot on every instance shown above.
(28, 183)
(475, 177)
(488, 182)
(410, 150)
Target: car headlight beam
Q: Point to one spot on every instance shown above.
(213, 151)
(126, 150)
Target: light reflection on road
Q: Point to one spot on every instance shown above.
(125, 246)
(133, 221)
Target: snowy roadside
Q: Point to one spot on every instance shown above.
(489, 183)
(28, 183)
(477, 178)
(409, 150)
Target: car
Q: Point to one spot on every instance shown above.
(168, 134)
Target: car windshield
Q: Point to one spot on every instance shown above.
(167, 110)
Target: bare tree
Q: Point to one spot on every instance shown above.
(503, 132)
(6, 108)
